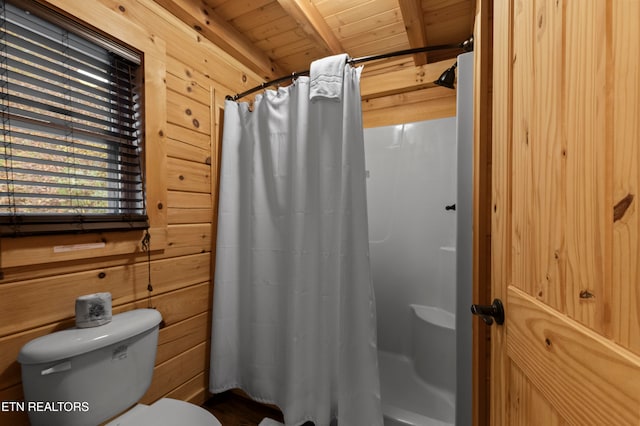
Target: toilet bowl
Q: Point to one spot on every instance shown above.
(166, 412)
(94, 374)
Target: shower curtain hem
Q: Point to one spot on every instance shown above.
(261, 400)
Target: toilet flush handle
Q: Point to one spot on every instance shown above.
(58, 368)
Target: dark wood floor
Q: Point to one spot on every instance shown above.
(235, 410)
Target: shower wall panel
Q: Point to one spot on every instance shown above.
(411, 171)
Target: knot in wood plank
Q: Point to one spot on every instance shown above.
(621, 207)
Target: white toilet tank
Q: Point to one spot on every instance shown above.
(84, 376)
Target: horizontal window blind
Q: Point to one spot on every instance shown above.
(70, 155)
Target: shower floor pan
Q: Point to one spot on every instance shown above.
(407, 400)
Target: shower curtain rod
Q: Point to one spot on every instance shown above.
(466, 45)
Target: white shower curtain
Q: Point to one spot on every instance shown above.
(293, 312)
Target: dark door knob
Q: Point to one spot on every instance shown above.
(495, 311)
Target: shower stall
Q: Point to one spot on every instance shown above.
(419, 196)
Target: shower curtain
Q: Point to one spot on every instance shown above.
(293, 309)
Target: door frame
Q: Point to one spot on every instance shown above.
(482, 209)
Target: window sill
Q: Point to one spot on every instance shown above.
(37, 250)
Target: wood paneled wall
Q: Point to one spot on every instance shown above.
(186, 79)
(408, 107)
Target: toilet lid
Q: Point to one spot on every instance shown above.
(167, 412)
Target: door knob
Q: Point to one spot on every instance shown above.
(495, 311)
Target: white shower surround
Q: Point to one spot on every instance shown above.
(421, 259)
(411, 179)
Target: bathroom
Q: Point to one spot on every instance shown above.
(194, 54)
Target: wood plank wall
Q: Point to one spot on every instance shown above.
(186, 79)
(408, 107)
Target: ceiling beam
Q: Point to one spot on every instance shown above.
(313, 24)
(203, 19)
(413, 18)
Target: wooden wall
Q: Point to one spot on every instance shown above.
(380, 107)
(186, 79)
(417, 105)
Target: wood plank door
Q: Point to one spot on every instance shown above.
(565, 215)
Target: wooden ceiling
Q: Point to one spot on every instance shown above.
(277, 37)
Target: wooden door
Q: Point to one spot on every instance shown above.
(565, 215)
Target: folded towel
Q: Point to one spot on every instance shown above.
(325, 77)
(270, 422)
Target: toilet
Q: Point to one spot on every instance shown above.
(85, 376)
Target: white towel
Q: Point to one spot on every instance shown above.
(270, 422)
(325, 77)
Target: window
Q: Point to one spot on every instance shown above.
(71, 139)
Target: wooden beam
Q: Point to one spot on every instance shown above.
(203, 19)
(413, 18)
(403, 80)
(312, 23)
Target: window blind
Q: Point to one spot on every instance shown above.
(71, 144)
